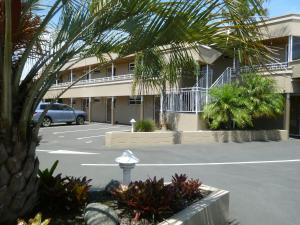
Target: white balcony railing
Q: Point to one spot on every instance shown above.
(95, 81)
(266, 67)
(187, 100)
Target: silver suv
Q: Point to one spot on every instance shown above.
(59, 113)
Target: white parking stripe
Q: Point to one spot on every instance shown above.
(74, 131)
(67, 152)
(202, 164)
(81, 138)
(40, 150)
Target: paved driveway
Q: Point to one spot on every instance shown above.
(263, 177)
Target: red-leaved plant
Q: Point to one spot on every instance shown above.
(153, 200)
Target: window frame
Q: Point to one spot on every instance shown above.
(135, 100)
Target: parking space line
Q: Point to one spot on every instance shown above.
(202, 164)
(75, 131)
(81, 138)
(67, 152)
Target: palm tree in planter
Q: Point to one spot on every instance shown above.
(238, 104)
(228, 109)
(48, 36)
(222, 25)
(261, 92)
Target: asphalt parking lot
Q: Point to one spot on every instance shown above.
(262, 177)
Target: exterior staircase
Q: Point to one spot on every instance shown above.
(194, 99)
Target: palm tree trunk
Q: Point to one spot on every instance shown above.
(18, 178)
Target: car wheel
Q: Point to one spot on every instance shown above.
(69, 123)
(46, 122)
(80, 120)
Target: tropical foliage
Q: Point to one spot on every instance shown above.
(37, 220)
(153, 200)
(48, 34)
(238, 104)
(144, 126)
(61, 194)
(262, 94)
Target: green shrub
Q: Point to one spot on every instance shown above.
(59, 193)
(144, 126)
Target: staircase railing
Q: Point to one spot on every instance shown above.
(224, 78)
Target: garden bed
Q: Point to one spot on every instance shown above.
(213, 208)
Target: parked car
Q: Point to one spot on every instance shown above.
(59, 113)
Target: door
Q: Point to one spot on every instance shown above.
(108, 110)
(68, 113)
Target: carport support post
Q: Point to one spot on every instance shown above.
(112, 111)
(112, 71)
(142, 108)
(287, 111)
(90, 109)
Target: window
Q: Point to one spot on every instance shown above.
(66, 108)
(136, 100)
(296, 48)
(55, 107)
(131, 67)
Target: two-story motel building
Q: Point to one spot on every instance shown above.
(106, 93)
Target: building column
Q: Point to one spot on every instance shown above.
(142, 108)
(290, 49)
(56, 81)
(90, 75)
(112, 71)
(112, 111)
(161, 108)
(90, 109)
(71, 76)
(287, 112)
(71, 103)
(206, 85)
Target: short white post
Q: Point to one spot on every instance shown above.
(127, 162)
(132, 121)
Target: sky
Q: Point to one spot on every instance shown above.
(282, 7)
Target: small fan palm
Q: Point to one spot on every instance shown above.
(261, 92)
(227, 108)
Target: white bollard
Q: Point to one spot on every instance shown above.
(127, 162)
(132, 121)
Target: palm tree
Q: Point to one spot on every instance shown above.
(223, 25)
(48, 36)
(228, 108)
(262, 94)
(240, 103)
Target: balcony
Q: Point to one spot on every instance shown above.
(95, 81)
(281, 66)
